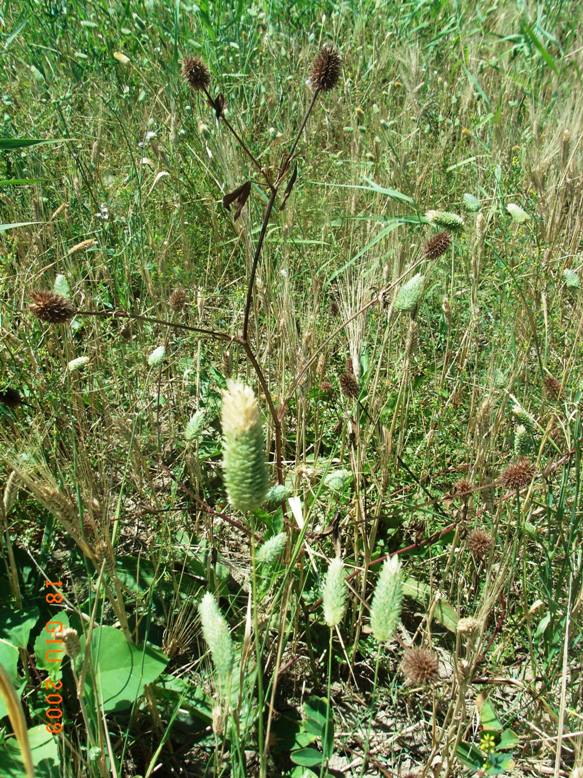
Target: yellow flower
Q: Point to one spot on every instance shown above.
(487, 744)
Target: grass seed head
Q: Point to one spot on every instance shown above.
(349, 385)
(178, 299)
(244, 467)
(217, 635)
(462, 489)
(71, 642)
(518, 475)
(409, 294)
(334, 593)
(196, 73)
(272, 549)
(447, 219)
(437, 245)
(52, 308)
(326, 69)
(479, 543)
(420, 666)
(385, 610)
(553, 387)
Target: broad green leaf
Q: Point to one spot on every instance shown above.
(470, 756)
(9, 661)
(444, 613)
(508, 739)
(302, 772)
(44, 651)
(488, 718)
(45, 755)
(16, 626)
(306, 757)
(315, 713)
(121, 669)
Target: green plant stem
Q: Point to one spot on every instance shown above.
(325, 758)
(260, 691)
(372, 707)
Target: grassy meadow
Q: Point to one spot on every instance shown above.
(291, 348)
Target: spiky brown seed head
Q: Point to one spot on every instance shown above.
(326, 387)
(196, 73)
(177, 299)
(462, 489)
(437, 245)
(479, 543)
(10, 397)
(349, 385)
(518, 475)
(553, 387)
(51, 307)
(326, 69)
(420, 666)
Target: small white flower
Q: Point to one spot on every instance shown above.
(156, 357)
(519, 215)
(77, 364)
(61, 286)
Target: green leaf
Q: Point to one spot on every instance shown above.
(469, 755)
(16, 626)
(315, 712)
(302, 772)
(13, 226)
(444, 613)
(306, 757)
(508, 739)
(8, 144)
(121, 669)
(45, 755)
(529, 33)
(9, 661)
(391, 224)
(45, 651)
(18, 181)
(488, 718)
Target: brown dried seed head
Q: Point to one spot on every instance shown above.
(349, 385)
(479, 542)
(52, 308)
(420, 666)
(462, 488)
(518, 475)
(437, 245)
(553, 387)
(326, 69)
(177, 299)
(196, 73)
(71, 642)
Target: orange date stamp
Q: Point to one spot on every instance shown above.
(54, 655)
